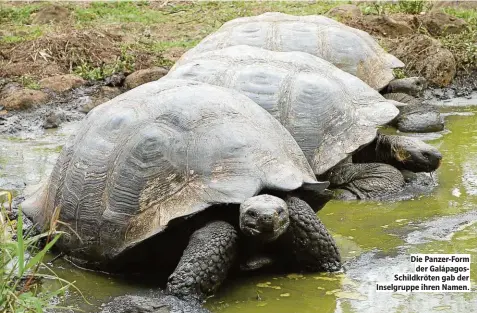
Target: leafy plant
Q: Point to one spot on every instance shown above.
(123, 63)
(29, 82)
(399, 73)
(464, 44)
(412, 6)
(374, 9)
(22, 268)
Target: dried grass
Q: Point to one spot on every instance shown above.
(67, 49)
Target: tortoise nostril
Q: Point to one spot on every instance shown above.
(267, 219)
(267, 222)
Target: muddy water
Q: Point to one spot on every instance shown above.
(375, 238)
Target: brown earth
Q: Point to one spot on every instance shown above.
(23, 99)
(63, 51)
(51, 14)
(441, 24)
(345, 11)
(381, 26)
(62, 83)
(425, 56)
(144, 76)
(403, 35)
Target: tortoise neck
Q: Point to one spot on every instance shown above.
(379, 150)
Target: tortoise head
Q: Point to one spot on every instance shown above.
(413, 86)
(413, 154)
(264, 217)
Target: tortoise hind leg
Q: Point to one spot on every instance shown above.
(365, 180)
(312, 247)
(206, 261)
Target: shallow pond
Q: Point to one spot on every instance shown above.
(375, 238)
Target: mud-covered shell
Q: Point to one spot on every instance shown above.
(352, 50)
(329, 112)
(162, 151)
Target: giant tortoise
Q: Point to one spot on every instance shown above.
(330, 113)
(167, 173)
(350, 49)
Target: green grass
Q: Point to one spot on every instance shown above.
(123, 63)
(470, 16)
(399, 73)
(408, 7)
(117, 12)
(161, 46)
(464, 44)
(162, 34)
(18, 15)
(22, 269)
(23, 33)
(29, 82)
(141, 12)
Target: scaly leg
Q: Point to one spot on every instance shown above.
(205, 262)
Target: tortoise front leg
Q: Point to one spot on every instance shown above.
(206, 261)
(312, 246)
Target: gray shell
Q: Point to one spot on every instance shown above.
(330, 113)
(352, 50)
(161, 151)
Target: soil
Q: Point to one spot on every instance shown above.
(65, 50)
(425, 56)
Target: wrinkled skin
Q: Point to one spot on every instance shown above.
(264, 218)
(365, 181)
(375, 171)
(413, 86)
(290, 226)
(414, 116)
(404, 153)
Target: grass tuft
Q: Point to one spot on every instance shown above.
(22, 269)
(463, 45)
(29, 82)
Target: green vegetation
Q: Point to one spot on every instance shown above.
(464, 44)
(23, 34)
(413, 6)
(117, 12)
(143, 34)
(122, 63)
(22, 268)
(29, 82)
(17, 15)
(399, 73)
(149, 34)
(402, 6)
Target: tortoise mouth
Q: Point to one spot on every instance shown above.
(266, 234)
